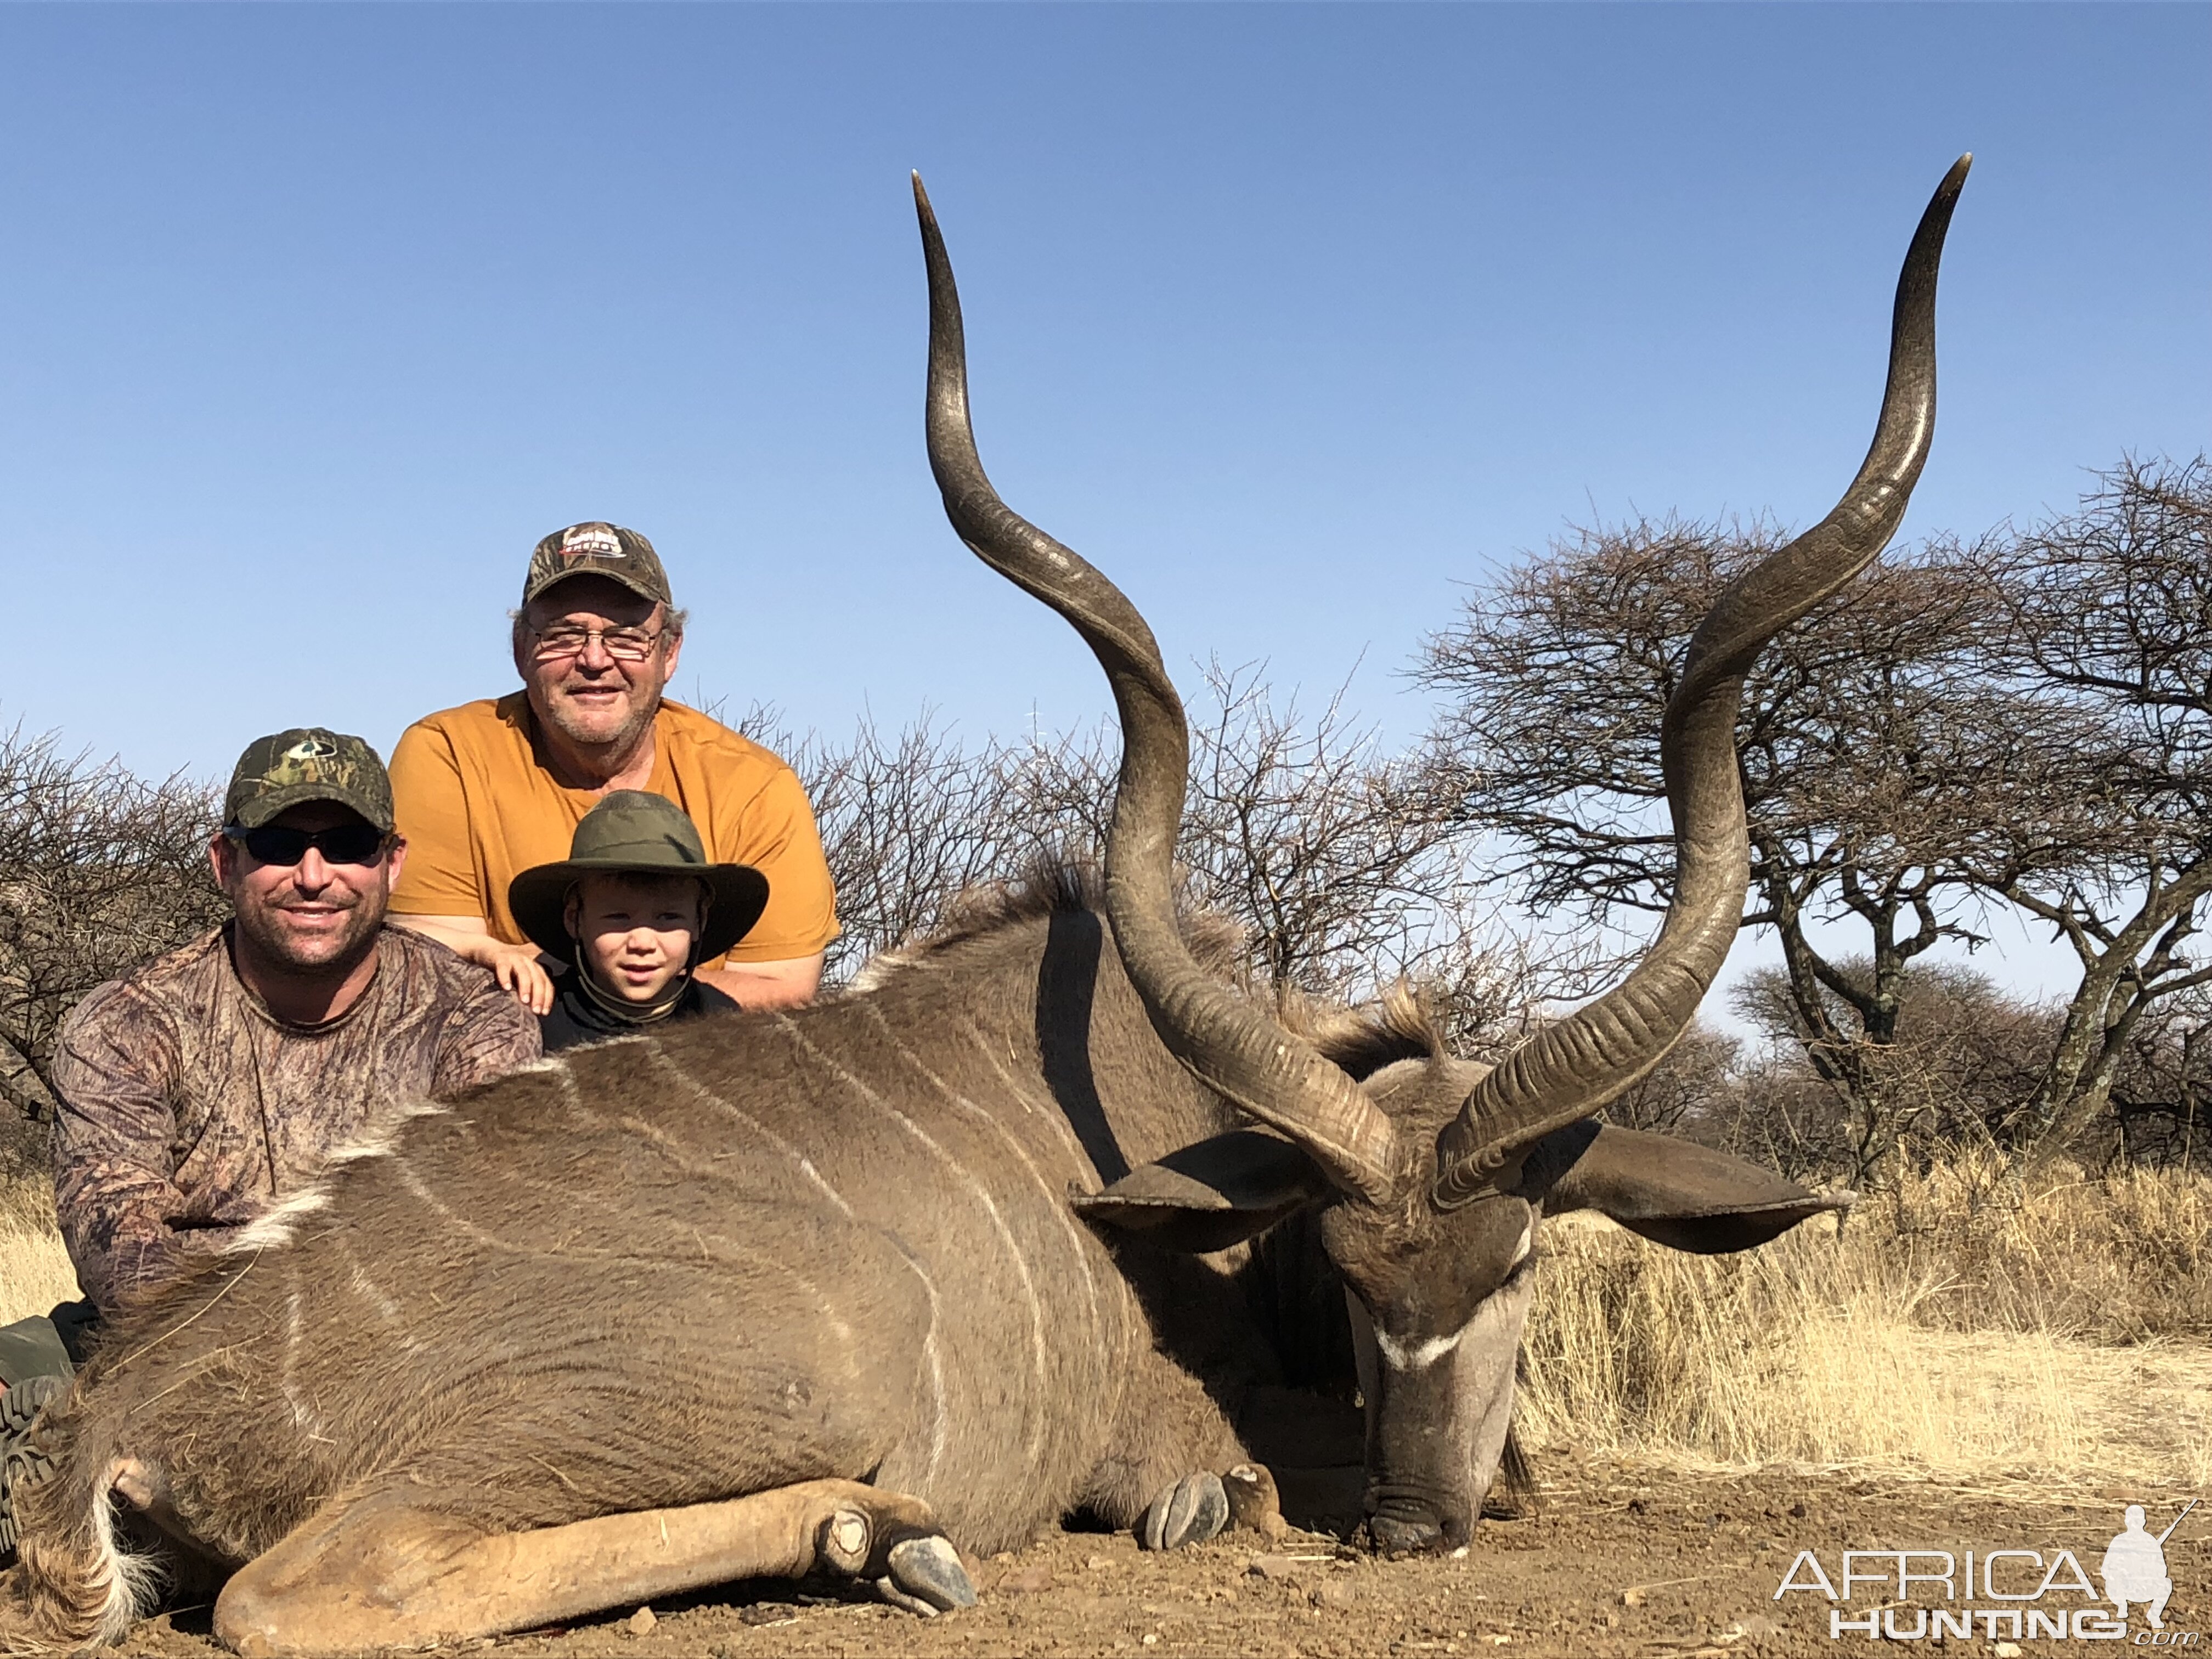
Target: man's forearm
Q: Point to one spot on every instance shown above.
(465, 936)
(790, 984)
(115, 1223)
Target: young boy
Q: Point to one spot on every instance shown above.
(632, 910)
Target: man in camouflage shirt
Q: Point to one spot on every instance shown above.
(214, 1082)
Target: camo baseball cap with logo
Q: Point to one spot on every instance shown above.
(307, 763)
(597, 550)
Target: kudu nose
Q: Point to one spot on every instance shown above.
(1405, 1535)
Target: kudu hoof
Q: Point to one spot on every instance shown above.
(1254, 1503)
(846, 1539)
(926, 1577)
(1193, 1510)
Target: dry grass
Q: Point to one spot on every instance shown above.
(1956, 1326)
(34, 1269)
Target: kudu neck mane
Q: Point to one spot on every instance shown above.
(1361, 1040)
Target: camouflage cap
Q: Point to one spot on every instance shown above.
(307, 763)
(597, 550)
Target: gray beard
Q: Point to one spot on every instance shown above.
(625, 739)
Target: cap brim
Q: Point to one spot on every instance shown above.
(636, 585)
(539, 899)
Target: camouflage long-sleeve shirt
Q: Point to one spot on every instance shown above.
(186, 1107)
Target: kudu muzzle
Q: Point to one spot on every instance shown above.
(1438, 1414)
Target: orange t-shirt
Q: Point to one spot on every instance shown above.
(478, 807)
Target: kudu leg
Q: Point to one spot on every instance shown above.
(1178, 1475)
(387, 1570)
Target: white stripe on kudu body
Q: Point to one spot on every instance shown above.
(1052, 1197)
(614, 1207)
(1051, 1113)
(805, 1165)
(370, 1292)
(1020, 1092)
(303, 1415)
(814, 1176)
(1039, 1365)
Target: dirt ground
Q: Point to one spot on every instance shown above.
(1613, 1560)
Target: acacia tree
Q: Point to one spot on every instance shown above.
(1885, 773)
(2107, 615)
(1962, 1054)
(2161, 1089)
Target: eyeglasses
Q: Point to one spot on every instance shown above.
(345, 843)
(623, 644)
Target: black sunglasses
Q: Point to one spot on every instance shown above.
(346, 843)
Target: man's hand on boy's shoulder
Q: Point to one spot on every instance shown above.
(516, 967)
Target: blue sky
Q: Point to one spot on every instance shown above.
(1292, 318)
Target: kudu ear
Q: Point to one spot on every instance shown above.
(1209, 1195)
(1674, 1193)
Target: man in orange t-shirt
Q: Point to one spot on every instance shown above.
(494, 787)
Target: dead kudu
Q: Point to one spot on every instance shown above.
(821, 1292)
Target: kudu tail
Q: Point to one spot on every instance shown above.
(76, 1583)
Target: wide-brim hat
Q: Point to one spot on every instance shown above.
(636, 834)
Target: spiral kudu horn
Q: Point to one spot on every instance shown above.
(1226, 1041)
(1572, 1069)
